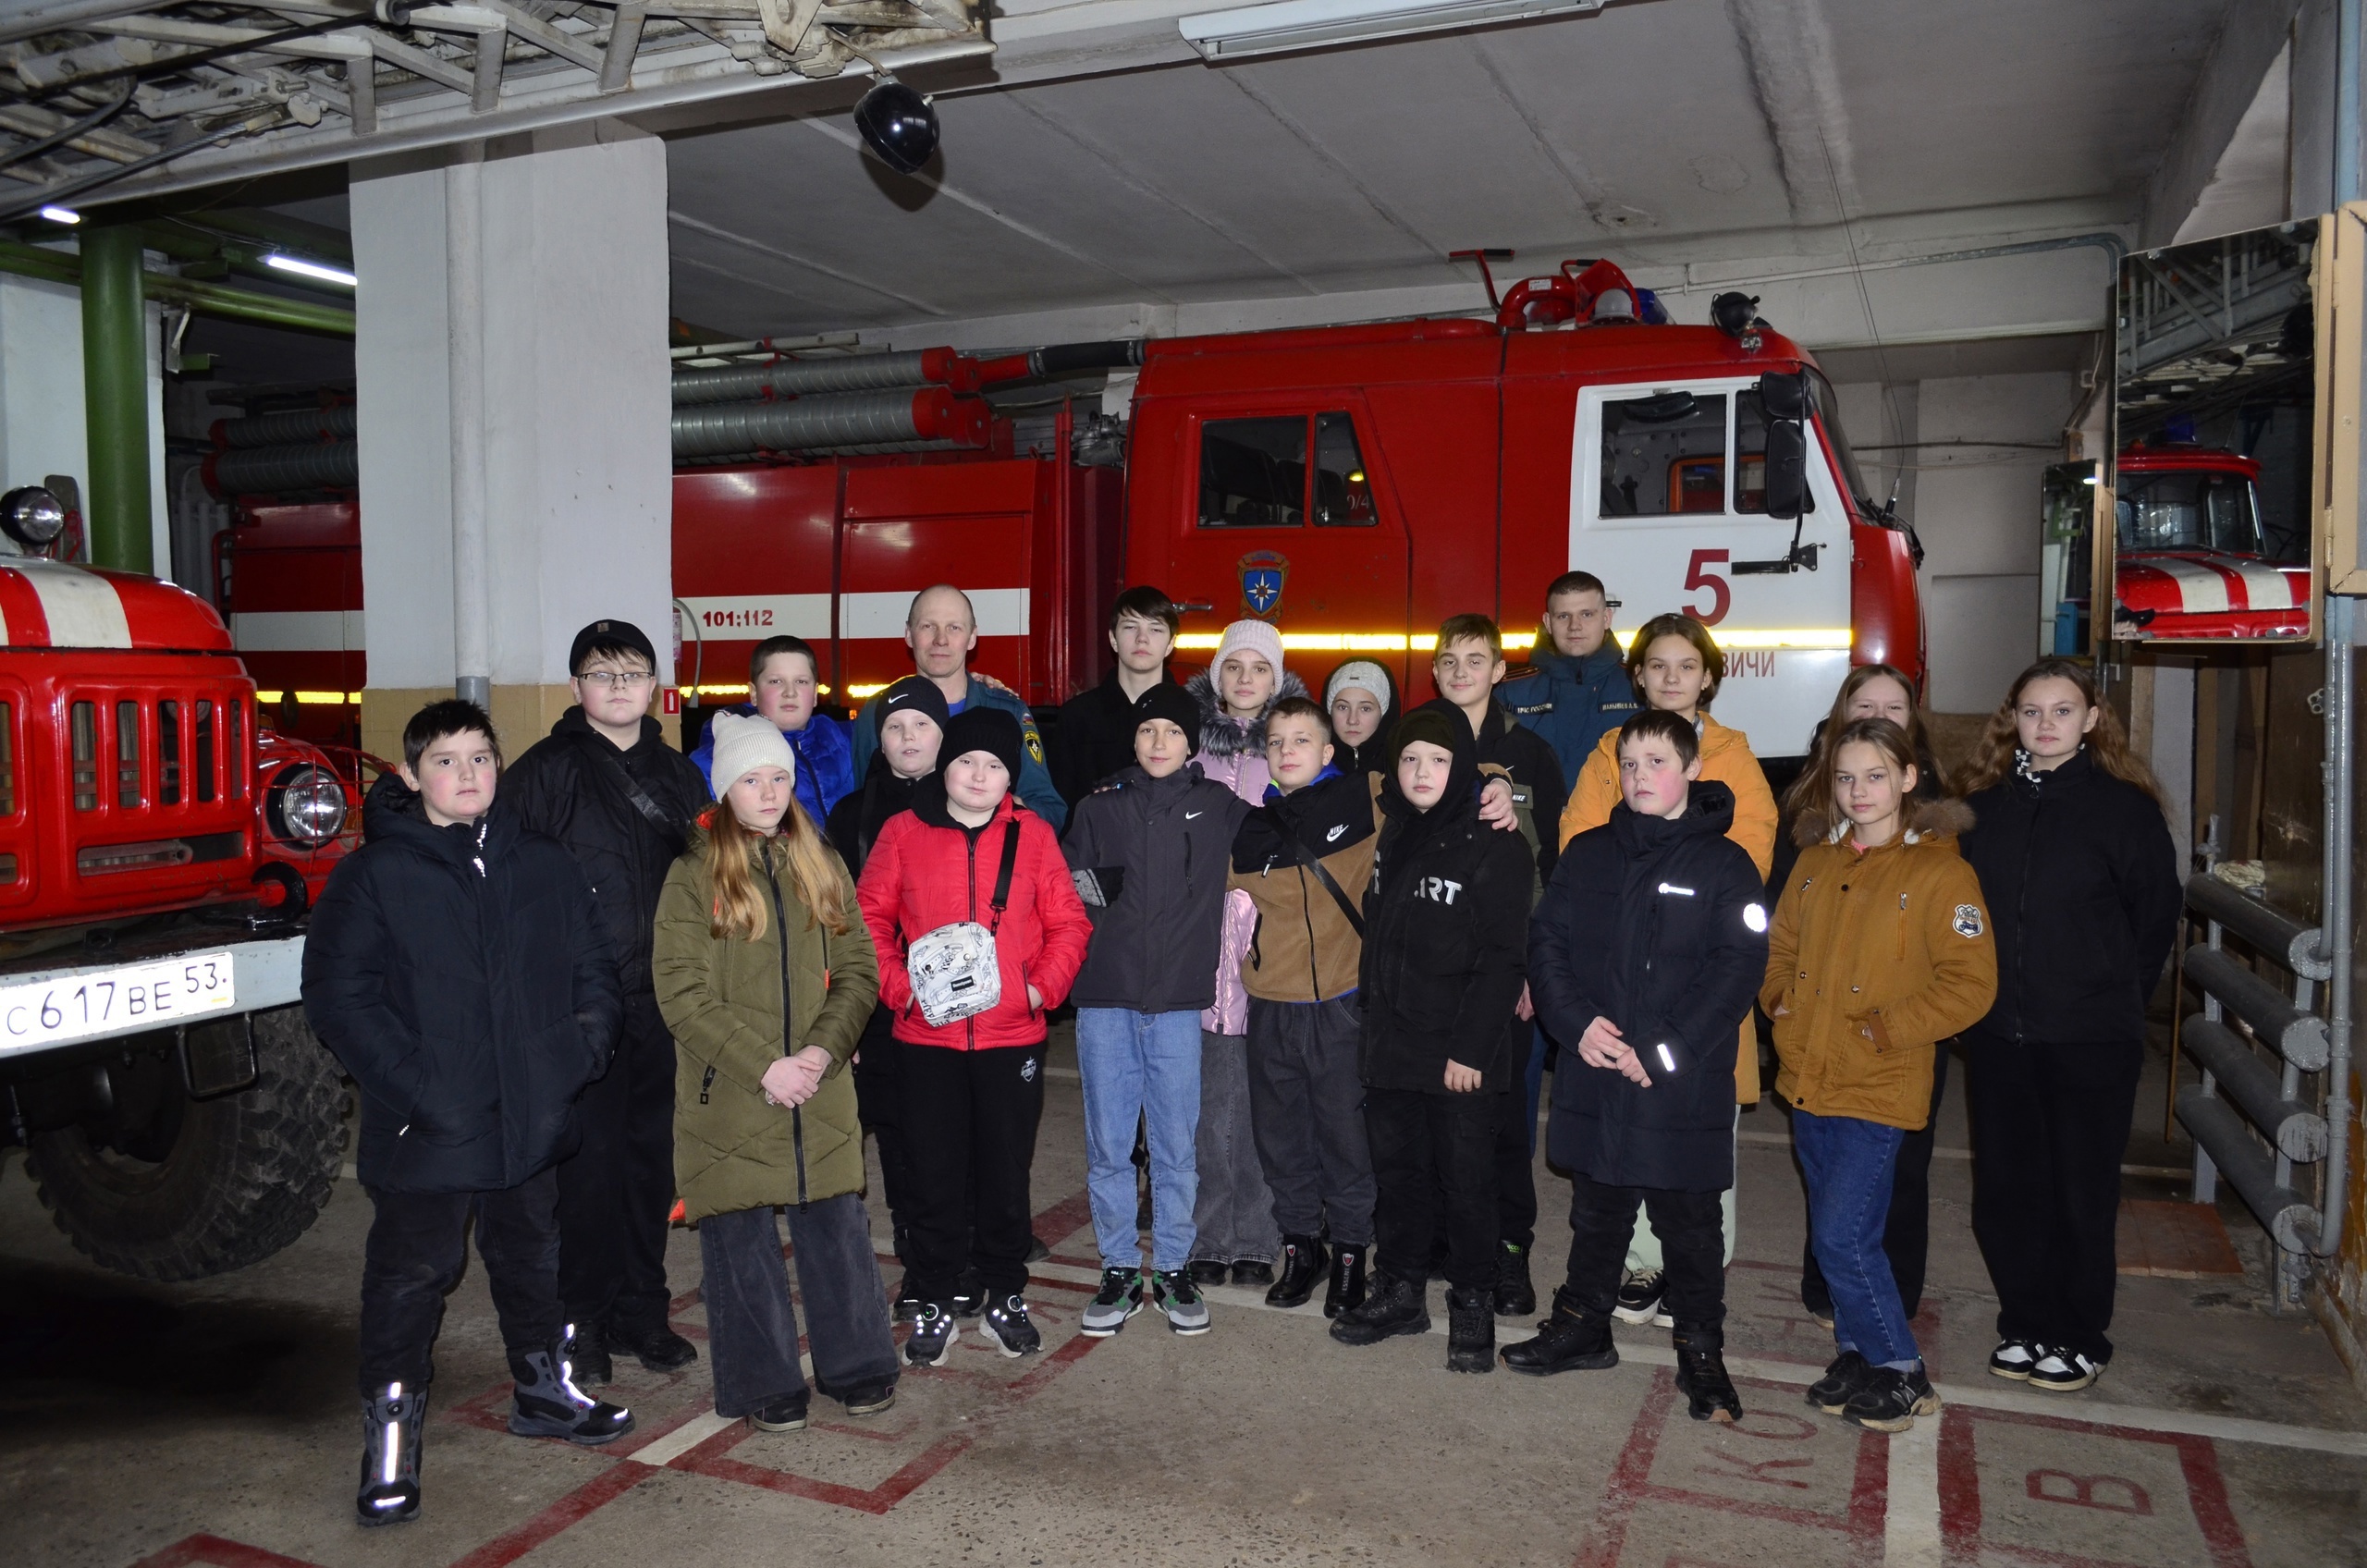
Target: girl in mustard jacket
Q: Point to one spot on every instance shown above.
(1881, 949)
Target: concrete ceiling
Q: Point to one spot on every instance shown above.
(1660, 133)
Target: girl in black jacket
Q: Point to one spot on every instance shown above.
(1644, 957)
(2076, 861)
(1446, 918)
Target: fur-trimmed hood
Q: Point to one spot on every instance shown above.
(1925, 819)
(1225, 737)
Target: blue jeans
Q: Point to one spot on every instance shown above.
(1145, 1065)
(1848, 1164)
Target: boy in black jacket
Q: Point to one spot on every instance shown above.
(1446, 919)
(605, 783)
(458, 969)
(1644, 956)
(1150, 852)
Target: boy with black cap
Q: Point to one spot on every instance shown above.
(907, 724)
(1446, 926)
(1149, 853)
(979, 933)
(605, 783)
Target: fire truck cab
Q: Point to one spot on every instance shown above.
(2190, 557)
(157, 850)
(1357, 486)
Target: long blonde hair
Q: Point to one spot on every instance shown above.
(1993, 760)
(734, 851)
(1812, 791)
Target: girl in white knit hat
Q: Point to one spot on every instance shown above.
(1234, 1211)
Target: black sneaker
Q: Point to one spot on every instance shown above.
(870, 1399)
(2061, 1371)
(1831, 1392)
(930, 1344)
(1009, 1329)
(1187, 1309)
(1208, 1272)
(908, 1305)
(1251, 1271)
(1121, 1298)
(591, 1365)
(658, 1349)
(1037, 1251)
(782, 1415)
(1515, 1295)
(2013, 1358)
(1639, 1299)
(1889, 1400)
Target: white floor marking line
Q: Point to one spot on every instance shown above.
(1911, 1519)
(682, 1439)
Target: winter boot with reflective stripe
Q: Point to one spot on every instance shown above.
(549, 1404)
(392, 1419)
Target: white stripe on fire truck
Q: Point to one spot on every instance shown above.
(755, 616)
(298, 631)
(2202, 590)
(1003, 612)
(83, 609)
(2265, 587)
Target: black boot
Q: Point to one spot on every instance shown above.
(1346, 1292)
(658, 1349)
(1470, 1331)
(1395, 1307)
(1573, 1340)
(1701, 1375)
(549, 1403)
(1303, 1264)
(1516, 1295)
(392, 1421)
(594, 1366)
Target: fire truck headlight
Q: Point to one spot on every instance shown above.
(31, 515)
(305, 805)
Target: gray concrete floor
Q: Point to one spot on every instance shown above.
(214, 1424)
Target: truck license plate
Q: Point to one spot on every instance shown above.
(157, 995)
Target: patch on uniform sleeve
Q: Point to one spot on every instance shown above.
(1532, 707)
(1967, 923)
(1034, 741)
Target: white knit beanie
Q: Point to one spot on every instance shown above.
(1364, 675)
(1258, 637)
(743, 742)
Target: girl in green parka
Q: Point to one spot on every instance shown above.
(766, 972)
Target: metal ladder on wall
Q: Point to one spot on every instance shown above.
(2252, 1118)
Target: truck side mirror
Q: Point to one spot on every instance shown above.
(1785, 394)
(1787, 468)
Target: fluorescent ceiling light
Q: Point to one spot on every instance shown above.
(61, 214)
(1312, 24)
(308, 269)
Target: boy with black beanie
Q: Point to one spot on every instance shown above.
(605, 783)
(1150, 851)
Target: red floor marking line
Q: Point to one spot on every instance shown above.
(868, 1434)
(568, 1510)
(214, 1551)
(1627, 1482)
(712, 1459)
(1961, 1488)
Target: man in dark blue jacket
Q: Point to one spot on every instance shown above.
(458, 969)
(1575, 689)
(1644, 956)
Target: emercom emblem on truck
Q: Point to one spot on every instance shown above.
(1263, 575)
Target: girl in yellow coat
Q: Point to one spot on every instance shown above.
(1881, 949)
(1677, 668)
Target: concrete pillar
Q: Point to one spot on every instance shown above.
(567, 457)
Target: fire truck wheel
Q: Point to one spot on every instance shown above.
(244, 1175)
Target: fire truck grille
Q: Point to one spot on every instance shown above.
(100, 860)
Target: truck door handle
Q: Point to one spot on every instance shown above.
(1201, 604)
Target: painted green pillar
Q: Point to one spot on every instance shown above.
(114, 396)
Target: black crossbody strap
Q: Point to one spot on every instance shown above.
(1331, 884)
(1009, 863)
(658, 816)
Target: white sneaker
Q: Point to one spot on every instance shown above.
(2013, 1358)
(2063, 1371)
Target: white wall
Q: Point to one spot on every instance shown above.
(577, 455)
(42, 428)
(1976, 509)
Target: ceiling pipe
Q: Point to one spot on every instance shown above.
(205, 298)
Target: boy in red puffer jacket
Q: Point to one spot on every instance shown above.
(980, 933)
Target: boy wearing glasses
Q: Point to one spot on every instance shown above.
(605, 783)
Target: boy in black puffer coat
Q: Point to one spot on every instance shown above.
(1446, 922)
(458, 969)
(1644, 958)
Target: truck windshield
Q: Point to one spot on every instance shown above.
(1828, 414)
(2188, 509)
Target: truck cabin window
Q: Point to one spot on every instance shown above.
(1255, 473)
(2189, 510)
(1664, 455)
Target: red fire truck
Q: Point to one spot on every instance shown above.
(159, 847)
(2189, 557)
(1357, 486)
